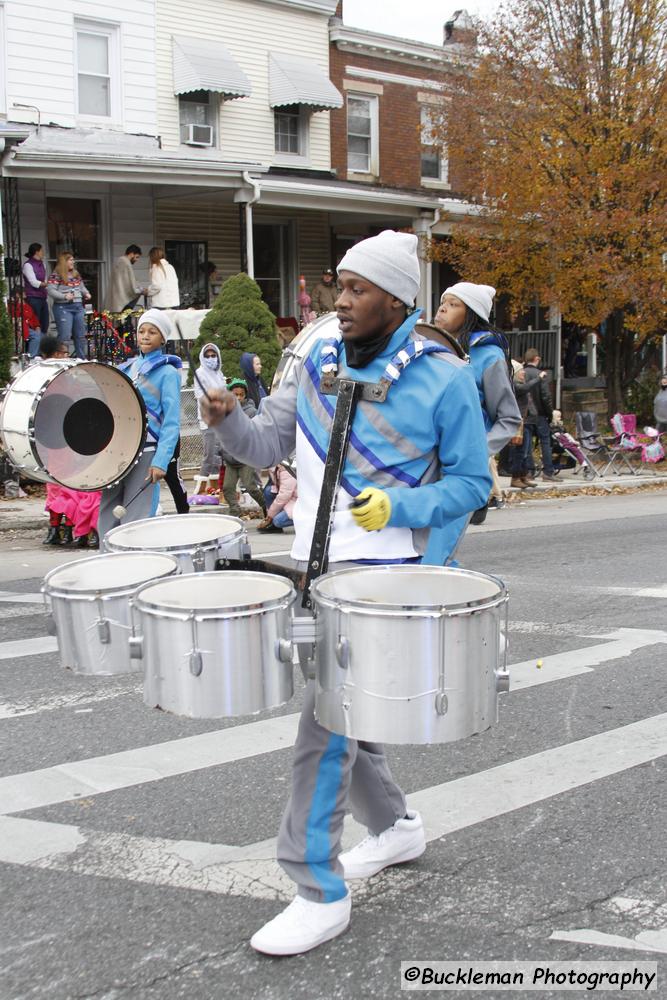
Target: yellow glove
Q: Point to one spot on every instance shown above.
(371, 509)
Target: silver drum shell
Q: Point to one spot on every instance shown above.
(196, 542)
(92, 623)
(424, 672)
(216, 655)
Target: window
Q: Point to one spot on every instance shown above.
(197, 114)
(96, 69)
(362, 134)
(433, 156)
(287, 128)
(3, 61)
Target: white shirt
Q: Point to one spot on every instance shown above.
(163, 289)
(29, 275)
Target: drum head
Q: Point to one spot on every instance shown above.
(217, 593)
(405, 587)
(88, 426)
(172, 532)
(117, 571)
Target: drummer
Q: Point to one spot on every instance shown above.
(155, 375)
(418, 460)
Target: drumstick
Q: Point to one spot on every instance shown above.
(120, 511)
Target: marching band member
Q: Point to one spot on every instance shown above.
(155, 375)
(418, 460)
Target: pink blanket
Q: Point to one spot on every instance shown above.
(82, 509)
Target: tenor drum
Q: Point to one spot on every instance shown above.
(89, 602)
(213, 644)
(408, 654)
(196, 542)
(77, 423)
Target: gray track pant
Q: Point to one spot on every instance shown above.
(144, 506)
(331, 775)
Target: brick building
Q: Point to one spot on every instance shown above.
(382, 136)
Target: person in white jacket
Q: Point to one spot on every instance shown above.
(209, 376)
(163, 289)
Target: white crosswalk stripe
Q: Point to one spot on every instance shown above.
(250, 869)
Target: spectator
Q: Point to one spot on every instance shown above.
(163, 289)
(324, 294)
(251, 366)
(210, 376)
(52, 348)
(72, 513)
(214, 280)
(34, 285)
(236, 471)
(67, 292)
(280, 494)
(123, 290)
(539, 414)
(156, 377)
(518, 452)
(18, 309)
(660, 405)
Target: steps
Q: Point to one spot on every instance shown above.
(591, 399)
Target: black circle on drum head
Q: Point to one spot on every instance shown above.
(88, 426)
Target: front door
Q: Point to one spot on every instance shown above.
(271, 247)
(74, 224)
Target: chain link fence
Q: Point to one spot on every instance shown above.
(191, 439)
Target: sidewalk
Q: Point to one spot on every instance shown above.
(28, 514)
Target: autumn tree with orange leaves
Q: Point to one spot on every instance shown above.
(559, 134)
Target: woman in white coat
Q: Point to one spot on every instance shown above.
(163, 289)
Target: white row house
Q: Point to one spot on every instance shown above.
(209, 135)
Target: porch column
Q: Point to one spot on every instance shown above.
(422, 227)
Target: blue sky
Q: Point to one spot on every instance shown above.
(419, 19)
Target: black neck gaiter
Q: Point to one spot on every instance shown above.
(359, 353)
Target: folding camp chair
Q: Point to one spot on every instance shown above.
(645, 447)
(602, 455)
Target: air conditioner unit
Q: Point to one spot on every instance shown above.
(198, 135)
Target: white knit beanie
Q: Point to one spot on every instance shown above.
(389, 261)
(159, 319)
(478, 297)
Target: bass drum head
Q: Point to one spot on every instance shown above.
(88, 426)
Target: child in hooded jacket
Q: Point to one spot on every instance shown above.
(235, 471)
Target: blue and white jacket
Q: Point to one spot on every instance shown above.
(425, 446)
(156, 377)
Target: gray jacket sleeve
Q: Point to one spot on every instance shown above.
(266, 439)
(501, 406)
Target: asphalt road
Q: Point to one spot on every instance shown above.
(142, 876)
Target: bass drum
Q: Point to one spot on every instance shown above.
(77, 423)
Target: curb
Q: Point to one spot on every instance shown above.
(510, 493)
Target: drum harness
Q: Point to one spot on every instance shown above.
(348, 392)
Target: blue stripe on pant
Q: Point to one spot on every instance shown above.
(329, 774)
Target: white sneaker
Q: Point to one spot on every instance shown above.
(404, 841)
(302, 926)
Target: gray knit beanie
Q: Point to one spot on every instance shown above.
(389, 261)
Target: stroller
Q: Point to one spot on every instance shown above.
(569, 446)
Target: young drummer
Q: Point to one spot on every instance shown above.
(155, 375)
(418, 460)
